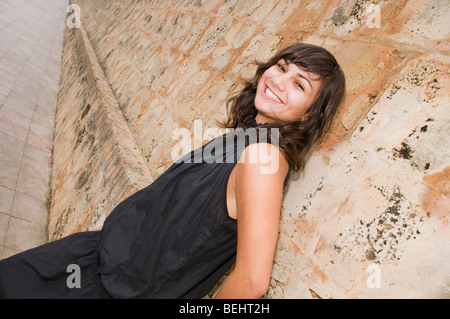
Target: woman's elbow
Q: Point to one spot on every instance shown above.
(244, 285)
(257, 287)
(260, 291)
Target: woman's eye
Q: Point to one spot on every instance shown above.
(281, 67)
(299, 85)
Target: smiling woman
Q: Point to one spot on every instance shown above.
(298, 91)
(177, 237)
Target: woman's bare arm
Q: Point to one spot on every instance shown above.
(258, 201)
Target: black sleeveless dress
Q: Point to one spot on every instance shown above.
(172, 239)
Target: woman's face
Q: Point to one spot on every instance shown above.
(284, 92)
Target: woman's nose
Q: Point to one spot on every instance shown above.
(279, 82)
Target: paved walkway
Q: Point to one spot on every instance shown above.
(31, 38)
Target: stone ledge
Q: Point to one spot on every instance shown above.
(118, 147)
(97, 163)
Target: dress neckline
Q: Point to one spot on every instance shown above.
(253, 123)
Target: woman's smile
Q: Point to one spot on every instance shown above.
(271, 96)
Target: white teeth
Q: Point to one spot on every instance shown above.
(272, 96)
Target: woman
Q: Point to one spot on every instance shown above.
(178, 236)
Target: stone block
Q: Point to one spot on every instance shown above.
(190, 80)
(257, 10)
(262, 46)
(280, 13)
(368, 68)
(157, 140)
(196, 31)
(410, 120)
(4, 221)
(13, 123)
(30, 209)
(229, 48)
(210, 105)
(358, 19)
(180, 27)
(6, 201)
(327, 218)
(160, 68)
(23, 235)
(211, 37)
(419, 23)
(40, 136)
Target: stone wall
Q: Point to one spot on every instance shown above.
(96, 162)
(369, 215)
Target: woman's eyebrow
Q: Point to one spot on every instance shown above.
(304, 77)
(283, 61)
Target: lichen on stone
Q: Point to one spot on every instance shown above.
(382, 238)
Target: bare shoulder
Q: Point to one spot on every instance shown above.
(263, 160)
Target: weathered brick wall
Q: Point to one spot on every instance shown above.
(373, 200)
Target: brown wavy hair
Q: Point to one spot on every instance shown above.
(296, 138)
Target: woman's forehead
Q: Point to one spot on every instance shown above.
(303, 69)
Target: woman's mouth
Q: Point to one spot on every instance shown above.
(271, 96)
